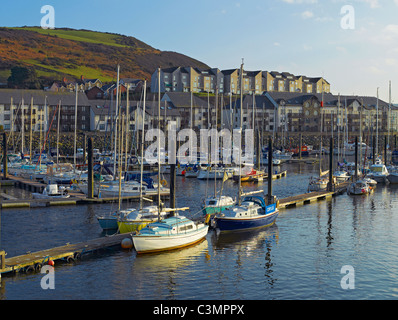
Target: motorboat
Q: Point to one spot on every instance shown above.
(393, 175)
(378, 172)
(359, 187)
(318, 184)
(52, 191)
(341, 176)
(215, 173)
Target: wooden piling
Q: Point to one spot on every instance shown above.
(258, 150)
(5, 156)
(90, 190)
(356, 159)
(270, 168)
(173, 186)
(330, 184)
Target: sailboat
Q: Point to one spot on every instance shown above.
(109, 221)
(170, 233)
(136, 219)
(321, 182)
(253, 211)
(217, 203)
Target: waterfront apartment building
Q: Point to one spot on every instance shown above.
(189, 79)
(272, 111)
(21, 110)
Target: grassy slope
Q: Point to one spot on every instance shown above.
(78, 35)
(71, 53)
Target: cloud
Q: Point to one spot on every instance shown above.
(373, 3)
(307, 14)
(302, 1)
(375, 70)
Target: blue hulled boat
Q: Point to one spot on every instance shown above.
(251, 213)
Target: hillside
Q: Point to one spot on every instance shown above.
(59, 53)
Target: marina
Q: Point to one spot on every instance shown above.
(305, 236)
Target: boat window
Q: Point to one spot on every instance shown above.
(212, 202)
(185, 228)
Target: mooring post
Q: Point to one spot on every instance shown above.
(173, 185)
(356, 159)
(84, 148)
(90, 186)
(5, 155)
(331, 184)
(385, 150)
(300, 144)
(270, 147)
(258, 150)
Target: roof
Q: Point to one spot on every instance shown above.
(183, 100)
(39, 96)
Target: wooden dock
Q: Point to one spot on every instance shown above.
(31, 262)
(74, 199)
(277, 175)
(310, 197)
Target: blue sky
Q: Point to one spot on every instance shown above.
(297, 36)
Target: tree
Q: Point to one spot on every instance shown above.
(23, 78)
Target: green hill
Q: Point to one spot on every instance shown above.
(55, 54)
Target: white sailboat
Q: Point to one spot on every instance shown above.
(170, 233)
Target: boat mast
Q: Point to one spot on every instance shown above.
(59, 115)
(115, 122)
(215, 149)
(320, 151)
(377, 123)
(159, 203)
(240, 129)
(127, 126)
(31, 125)
(74, 148)
(12, 124)
(23, 127)
(142, 143)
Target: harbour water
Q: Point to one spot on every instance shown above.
(300, 257)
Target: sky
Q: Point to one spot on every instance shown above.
(354, 48)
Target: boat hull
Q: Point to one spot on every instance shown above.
(150, 244)
(234, 224)
(393, 178)
(107, 223)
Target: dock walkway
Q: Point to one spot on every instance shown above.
(68, 252)
(75, 198)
